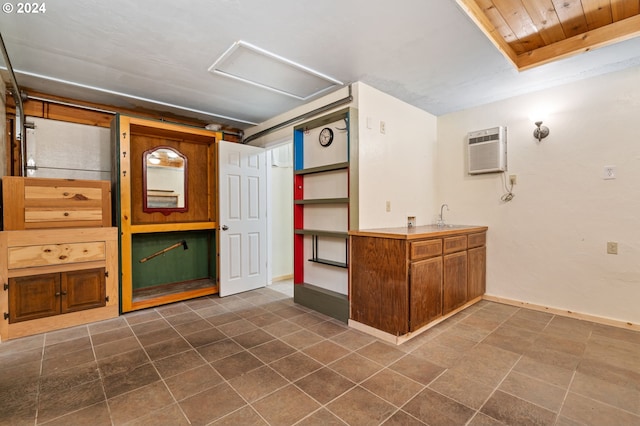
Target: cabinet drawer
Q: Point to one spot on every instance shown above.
(453, 244)
(477, 240)
(41, 215)
(426, 249)
(55, 254)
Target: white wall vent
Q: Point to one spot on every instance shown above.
(487, 150)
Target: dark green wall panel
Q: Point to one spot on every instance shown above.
(176, 265)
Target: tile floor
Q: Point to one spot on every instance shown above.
(257, 359)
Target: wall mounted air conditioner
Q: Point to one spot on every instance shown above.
(487, 150)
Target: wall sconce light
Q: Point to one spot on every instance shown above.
(540, 132)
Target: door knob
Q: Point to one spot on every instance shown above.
(225, 227)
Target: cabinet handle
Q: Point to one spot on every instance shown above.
(57, 293)
(66, 213)
(64, 293)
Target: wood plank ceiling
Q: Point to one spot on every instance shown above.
(534, 32)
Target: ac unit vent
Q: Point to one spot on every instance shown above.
(487, 150)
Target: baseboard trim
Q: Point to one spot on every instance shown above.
(325, 301)
(398, 340)
(281, 278)
(564, 313)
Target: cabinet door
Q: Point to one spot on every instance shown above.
(455, 281)
(35, 296)
(477, 272)
(425, 292)
(83, 290)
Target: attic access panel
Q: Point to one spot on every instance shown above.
(252, 65)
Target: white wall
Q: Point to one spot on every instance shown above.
(398, 166)
(281, 217)
(548, 245)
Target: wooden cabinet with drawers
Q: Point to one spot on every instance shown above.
(40, 203)
(403, 279)
(58, 255)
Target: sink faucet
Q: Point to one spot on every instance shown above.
(441, 220)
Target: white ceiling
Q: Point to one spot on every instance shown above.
(156, 53)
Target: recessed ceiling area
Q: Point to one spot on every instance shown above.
(252, 65)
(534, 32)
(430, 54)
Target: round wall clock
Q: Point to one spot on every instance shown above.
(326, 137)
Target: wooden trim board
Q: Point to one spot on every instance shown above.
(564, 313)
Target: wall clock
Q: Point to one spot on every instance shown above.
(326, 137)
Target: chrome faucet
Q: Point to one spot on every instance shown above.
(441, 220)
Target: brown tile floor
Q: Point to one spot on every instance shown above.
(257, 359)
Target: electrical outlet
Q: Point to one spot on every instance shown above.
(411, 221)
(388, 206)
(383, 127)
(612, 247)
(513, 179)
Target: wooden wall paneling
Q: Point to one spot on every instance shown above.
(597, 13)
(521, 24)
(384, 302)
(545, 19)
(394, 316)
(77, 115)
(198, 183)
(623, 9)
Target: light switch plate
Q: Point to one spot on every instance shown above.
(609, 172)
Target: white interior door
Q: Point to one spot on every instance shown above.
(242, 218)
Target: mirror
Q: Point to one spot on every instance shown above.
(164, 181)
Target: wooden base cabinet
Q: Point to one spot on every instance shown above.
(39, 296)
(57, 278)
(403, 279)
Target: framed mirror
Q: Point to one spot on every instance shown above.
(164, 180)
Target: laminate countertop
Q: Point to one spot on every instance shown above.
(416, 232)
